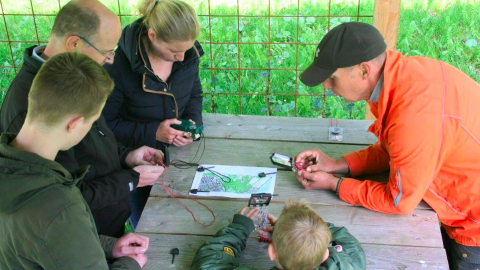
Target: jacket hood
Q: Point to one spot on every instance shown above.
(130, 43)
(24, 175)
(33, 64)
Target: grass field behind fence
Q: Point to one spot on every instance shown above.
(439, 29)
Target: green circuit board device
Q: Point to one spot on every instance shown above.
(189, 127)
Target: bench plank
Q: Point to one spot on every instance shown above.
(276, 128)
(379, 257)
(166, 216)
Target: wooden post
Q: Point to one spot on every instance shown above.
(386, 16)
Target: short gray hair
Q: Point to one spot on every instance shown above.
(73, 19)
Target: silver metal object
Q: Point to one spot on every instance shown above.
(335, 134)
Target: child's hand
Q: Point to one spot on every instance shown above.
(251, 213)
(271, 220)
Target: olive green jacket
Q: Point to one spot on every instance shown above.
(223, 251)
(44, 221)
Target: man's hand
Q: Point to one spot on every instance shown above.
(149, 174)
(271, 220)
(317, 180)
(251, 213)
(144, 156)
(316, 161)
(166, 134)
(130, 244)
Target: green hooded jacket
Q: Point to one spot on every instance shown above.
(212, 256)
(44, 221)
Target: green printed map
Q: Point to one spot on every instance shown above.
(236, 184)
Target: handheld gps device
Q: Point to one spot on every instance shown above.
(189, 127)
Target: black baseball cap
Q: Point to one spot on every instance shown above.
(346, 45)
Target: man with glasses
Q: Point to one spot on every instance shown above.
(109, 55)
(88, 27)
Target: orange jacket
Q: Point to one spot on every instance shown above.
(428, 129)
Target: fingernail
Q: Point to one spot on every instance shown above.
(143, 250)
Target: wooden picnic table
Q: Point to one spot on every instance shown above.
(390, 241)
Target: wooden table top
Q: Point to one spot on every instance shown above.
(390, 241)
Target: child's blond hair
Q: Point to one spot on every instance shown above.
(301, 237)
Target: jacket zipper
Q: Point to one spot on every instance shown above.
(158, 78)
(99, 131)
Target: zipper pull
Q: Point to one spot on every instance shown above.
(99, 131)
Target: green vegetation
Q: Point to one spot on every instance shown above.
(434, 28)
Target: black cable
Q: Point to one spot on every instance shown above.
(180, 164)
(217, 174)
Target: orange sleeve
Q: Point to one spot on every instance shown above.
(413, 139)
(372, 160)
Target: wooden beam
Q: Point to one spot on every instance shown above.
(386, 15)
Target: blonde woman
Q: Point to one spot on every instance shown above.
(156, 81)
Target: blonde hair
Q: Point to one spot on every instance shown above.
(301, 237)
(68, 84)
(172, 20)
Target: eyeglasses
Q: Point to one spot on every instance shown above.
(107, 54)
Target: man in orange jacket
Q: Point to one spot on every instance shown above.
(428, 129)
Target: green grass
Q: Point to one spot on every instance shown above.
(433, 28)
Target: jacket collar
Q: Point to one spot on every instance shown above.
(393, 64)
(32, 64)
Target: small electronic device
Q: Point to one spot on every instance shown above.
(261, 201)
(287, 162)
(189, 127)
(335, 133)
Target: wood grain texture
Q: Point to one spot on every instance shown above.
(275, 128)
(386, 16)
(166, 216)
(379, 257)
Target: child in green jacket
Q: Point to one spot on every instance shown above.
(45, 223)
(301, 240)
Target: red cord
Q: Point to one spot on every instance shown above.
(175, 195)
(265, 240)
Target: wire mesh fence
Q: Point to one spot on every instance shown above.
(255, 50)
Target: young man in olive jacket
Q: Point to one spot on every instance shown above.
(301, 241)
(45, 222)
(88, 27)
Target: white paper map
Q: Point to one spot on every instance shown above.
(240, 182)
